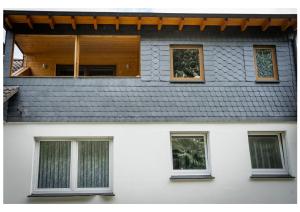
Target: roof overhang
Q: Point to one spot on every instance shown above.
(53, 18)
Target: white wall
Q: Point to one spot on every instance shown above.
(142, 163)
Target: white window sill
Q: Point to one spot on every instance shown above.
(68, 194)
(271, 176)
(192, 177)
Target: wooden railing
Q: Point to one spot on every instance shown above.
(24, 71)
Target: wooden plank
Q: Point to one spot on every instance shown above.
(286, 24)
(181, 24)
(244, 25)
(76, 57)
(95, 23)
(203, 25)
(51, 22)
(224, 24)
(8, 52)
(266, 24)
(117, 23)
(24, 71)
(29, 22)
(73, 22)
(139, 24)
(159, 24)
(8, 23)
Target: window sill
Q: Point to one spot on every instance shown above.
(192, 177)
(187, 81)
(271, 176)
(267, 81)
(70, 194)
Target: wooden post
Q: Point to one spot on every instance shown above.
(8, 52)
(76, 57)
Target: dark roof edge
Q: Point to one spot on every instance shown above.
(147, 14)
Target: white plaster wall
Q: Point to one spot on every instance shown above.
(142, 163)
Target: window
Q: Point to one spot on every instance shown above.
(190, 154)
(265, 63)
(73, 165)
(187, 63)
(268, 153)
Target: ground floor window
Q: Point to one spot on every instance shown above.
(71, 165)
(268, 153)
(190, 153)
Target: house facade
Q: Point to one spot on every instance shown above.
(150, 108)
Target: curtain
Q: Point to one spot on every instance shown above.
(54, 164)
(93, 164)
(265, 151)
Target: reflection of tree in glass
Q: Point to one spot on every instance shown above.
(188, 153)
(264, 62)
(186, 62)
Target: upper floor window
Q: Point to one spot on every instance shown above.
(265, 63)
(72, 165)
(268, 153)
(187, 62)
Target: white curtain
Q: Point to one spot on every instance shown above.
(54, 164)
(265, 151)
(93, 164)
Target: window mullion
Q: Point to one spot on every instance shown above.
(74, 165)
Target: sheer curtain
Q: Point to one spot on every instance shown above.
(93, 164)
(54, 164)
(265, 151)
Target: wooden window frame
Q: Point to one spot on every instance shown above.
(283, 155)
(200, 58)
(274, 62)
(191, 172)
(73, 189)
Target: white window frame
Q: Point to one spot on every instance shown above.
(186, 172)
(283, 154)
(73, 167)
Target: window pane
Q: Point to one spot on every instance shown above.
(188, 152)
(54, 164)
(265, 151)
(186, 63)
(93, 164)
(264, 63)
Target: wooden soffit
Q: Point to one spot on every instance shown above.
(95, 21)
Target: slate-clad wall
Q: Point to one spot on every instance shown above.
(229, 92)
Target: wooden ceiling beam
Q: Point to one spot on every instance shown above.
(8, 23)
(203, 24)
(181, 24)
(117, 22)
(266, 24)
(29, 22)
(95, 23)
(286, 24)
(245, 24)
(51, 22)
(160, 23)
(224, 24)
(139, 24)
(73, 22)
